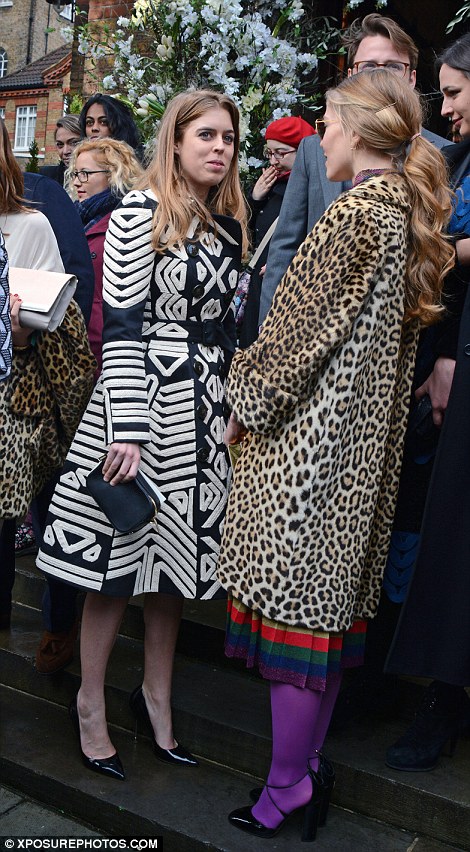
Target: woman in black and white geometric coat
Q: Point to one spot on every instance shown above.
(171, 264)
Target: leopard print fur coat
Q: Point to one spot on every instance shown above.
(41, 405)
(324, 393)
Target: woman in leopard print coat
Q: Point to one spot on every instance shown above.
(323, 397)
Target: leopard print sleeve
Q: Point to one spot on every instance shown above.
(315, 309)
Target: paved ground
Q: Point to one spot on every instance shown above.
(20, 816)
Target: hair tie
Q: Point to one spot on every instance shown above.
(415, 137)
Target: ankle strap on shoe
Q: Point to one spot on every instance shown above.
(269, 787)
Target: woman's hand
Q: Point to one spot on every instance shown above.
(122, 463)
(20, 336)
(462, 250)
(264, 183)
(235, 431)
(438, 386)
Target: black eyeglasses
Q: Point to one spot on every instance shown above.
(278, 154)
(84, 174)
(398, 68)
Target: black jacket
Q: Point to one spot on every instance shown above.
(433, 635)
(54, 172)
(263, 214)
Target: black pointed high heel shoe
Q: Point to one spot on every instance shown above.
(326, 778)
(110, 766)
(243, 818)
(177, 756)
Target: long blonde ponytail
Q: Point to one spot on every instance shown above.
(385, 112)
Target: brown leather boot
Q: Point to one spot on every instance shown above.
(56, 650)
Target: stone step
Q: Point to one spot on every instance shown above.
(187, 807)
(223, 715)
(201, 635)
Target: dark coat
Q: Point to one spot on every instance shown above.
(263, 214)
(59, 209)
(433, 635)
(54, 172)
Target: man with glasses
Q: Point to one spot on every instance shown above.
(374, 42)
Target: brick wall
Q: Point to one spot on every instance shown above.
(106, 10)
(15, 33)
(55, 109)
(100, 12)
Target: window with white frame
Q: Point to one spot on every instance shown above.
(2, 113)
(25, 127)
(3, 62)
(6, 2)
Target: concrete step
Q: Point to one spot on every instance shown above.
(187, 807)
(223, 715)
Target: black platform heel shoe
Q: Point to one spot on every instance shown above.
(110, 766)
(177, 756)
(326, 778)
(243, 818)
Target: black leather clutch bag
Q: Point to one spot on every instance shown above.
(129, 506)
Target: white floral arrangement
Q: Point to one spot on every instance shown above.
(252, 51)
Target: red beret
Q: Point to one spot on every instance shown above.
(289, 131)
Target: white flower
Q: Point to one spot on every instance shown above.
(109, 82)
(295, 11)
(254, 163)
(67, 33)
(252, 98)
(164, 52)
(84, 44)
(225, 44)
(141, 11)
(280, 113)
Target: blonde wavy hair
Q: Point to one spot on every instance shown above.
(117, 157)
(176, 204)
(386, 113)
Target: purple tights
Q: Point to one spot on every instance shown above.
(300, 720)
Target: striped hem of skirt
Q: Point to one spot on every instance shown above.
(294, 655)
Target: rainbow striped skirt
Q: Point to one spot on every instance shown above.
(288, 654)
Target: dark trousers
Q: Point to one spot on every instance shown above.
(7, 564)
(59, 602)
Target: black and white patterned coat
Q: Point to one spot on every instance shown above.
(5, 324)
(163, 388)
